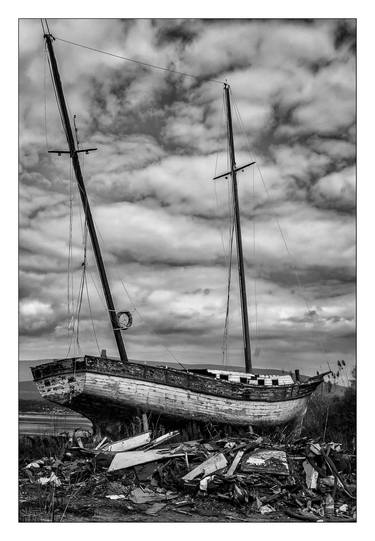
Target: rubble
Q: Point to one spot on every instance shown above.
(237, 478)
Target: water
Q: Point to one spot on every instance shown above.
(51, 424)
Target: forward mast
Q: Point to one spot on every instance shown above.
(74, 152)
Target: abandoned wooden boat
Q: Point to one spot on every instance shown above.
(102, 388)
(98, 387)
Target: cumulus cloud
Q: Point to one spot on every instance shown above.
(163, 223)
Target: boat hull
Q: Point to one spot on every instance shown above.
(96, 391)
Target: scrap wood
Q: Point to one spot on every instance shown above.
(79, 441)
(122, 461)
(182, 503)
(101, 443)
(162, 439)
(145, 471)
(145, 495)
(311, 475)
(155, 508)
(234, 464)
(182, 512)
(333, 469)
(203, 484)
(307, 517)
(212, 464)
(231, 517)
(128, 444)
(265, 509)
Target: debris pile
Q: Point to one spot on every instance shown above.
(236, 478)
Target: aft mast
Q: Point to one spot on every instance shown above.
(73, 151)
(241, 271)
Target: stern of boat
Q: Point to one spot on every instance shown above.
(60, 381)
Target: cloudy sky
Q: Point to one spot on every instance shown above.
(163, 223)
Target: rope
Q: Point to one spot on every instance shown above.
(226, 324)
(92, 319)
(82, 284)
(136, 61)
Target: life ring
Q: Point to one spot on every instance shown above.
(124, 325)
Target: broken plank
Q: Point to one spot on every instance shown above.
(79, 441)
(212, 464)
(311, 475)
(128, 444)
(234, 464)
(162, 439)
(100, 444)
(122, 461)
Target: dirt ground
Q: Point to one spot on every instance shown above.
(100, 510)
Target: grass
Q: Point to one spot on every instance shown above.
(332, 418)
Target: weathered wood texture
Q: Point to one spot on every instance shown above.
(175, 378)
(178, 402)
(212, 464)
(128, 444)
(129, 459)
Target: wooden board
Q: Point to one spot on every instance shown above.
(212, 464)
(128, 444)
(128, 459)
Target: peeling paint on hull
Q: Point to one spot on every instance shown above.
(87, 389)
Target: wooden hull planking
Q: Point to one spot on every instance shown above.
(80, 391)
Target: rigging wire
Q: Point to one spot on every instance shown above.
(293, 265)
(231, 204)
(70, 244)
(136, 61)
(91, 316)
(133, 304)
(227, 258)
(226, 323)
(231, 226)
(144, 321)
(254, 260)
(45, 61)
(215, 190)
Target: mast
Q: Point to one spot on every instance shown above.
(241, 271)
(73, 151)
